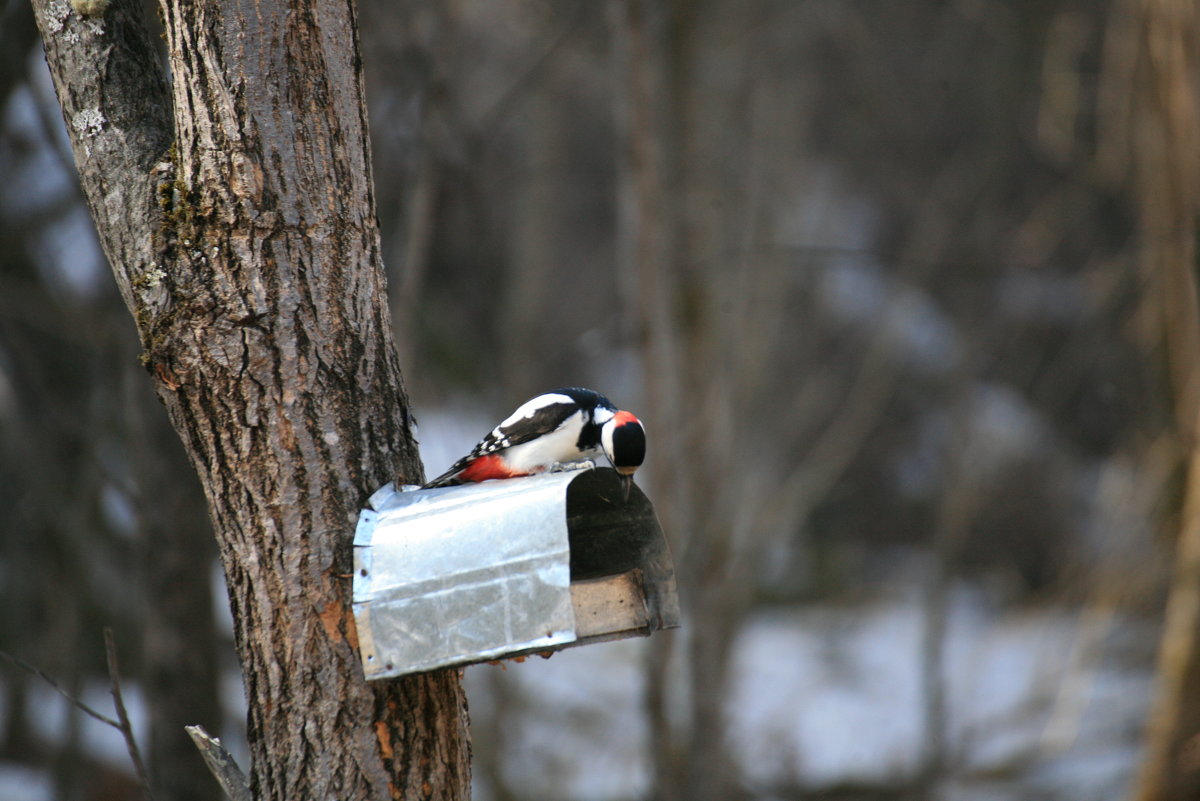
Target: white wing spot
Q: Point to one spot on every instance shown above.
(532, 407)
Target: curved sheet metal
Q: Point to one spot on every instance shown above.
(456, 575)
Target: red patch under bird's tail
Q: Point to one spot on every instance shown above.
(487, 467)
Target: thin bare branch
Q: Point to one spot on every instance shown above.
(135, 754)
(46, 677)
(500, 108)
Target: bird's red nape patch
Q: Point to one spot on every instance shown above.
(487, 467)
(623, 417)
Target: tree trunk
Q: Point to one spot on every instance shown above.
(648, 257)
(1167, 161)
(248, 254)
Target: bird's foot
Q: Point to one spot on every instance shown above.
(563, 467)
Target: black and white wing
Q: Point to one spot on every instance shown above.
(534, 418)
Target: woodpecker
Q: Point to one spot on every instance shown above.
(556, 429)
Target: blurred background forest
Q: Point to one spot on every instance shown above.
(905, 293)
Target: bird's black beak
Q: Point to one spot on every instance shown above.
(626, 487)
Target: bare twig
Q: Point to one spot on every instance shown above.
(121, 724)
(219, 761)
(490, 119)
(80, 705)
(110, 650)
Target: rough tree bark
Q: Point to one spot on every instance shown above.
(237, 212)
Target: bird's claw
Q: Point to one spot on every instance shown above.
(563, 467)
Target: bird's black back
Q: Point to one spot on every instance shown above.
(588, 400)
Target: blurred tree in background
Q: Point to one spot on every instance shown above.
(905, 293)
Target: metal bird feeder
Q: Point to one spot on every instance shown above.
(479, 572)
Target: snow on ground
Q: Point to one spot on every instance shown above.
(571, 725)
(828, 695)
(21, 783)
